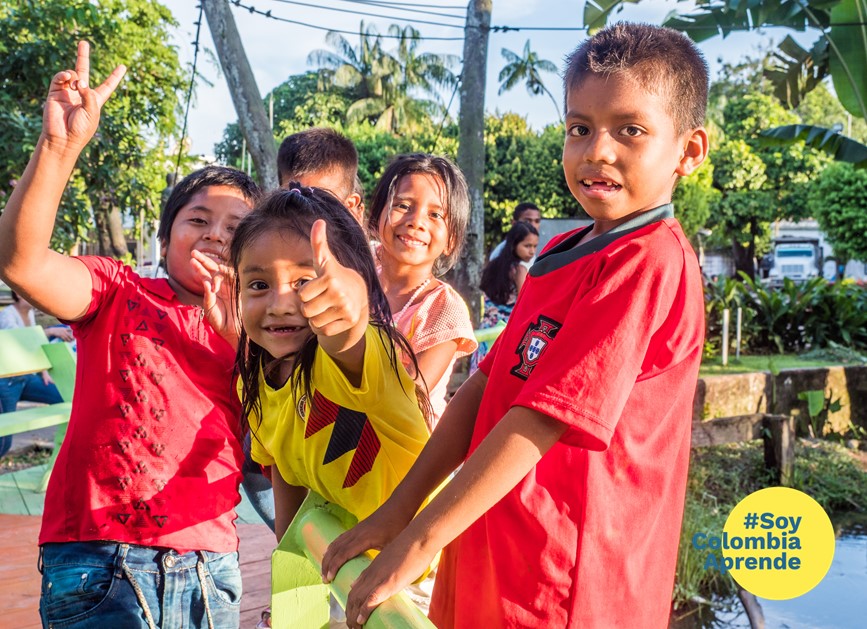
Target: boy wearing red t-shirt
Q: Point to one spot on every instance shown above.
(574, 434)
(138, 527)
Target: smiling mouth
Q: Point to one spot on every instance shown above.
(411, 242)
(216, 257)
(600, 184)
(284, 329)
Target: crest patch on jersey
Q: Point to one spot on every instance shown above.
(533, 344)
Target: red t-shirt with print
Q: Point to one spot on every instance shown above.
(151, 456)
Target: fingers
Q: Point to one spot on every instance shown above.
(322, 255)
(360, 606)
(338, 553)
(82, 65)
(107, 87)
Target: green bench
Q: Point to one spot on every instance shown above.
(25, 351)
(299, 599)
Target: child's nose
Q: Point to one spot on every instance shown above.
(600, 148)
(285, 301)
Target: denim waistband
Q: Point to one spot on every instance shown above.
(100, 553)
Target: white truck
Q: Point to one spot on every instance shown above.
(796, 258)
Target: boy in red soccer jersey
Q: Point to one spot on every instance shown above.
(574, 434)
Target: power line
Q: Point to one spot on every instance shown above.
(413, 8)
(390, 17)
(190, 90)
(269, 15)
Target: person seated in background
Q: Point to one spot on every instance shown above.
(30, 387)
(528, 213)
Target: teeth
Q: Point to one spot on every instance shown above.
(590, 182)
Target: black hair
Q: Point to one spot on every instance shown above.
(521, 208)
(658, 58)
(318, 150)
(197, 181)
(295, 210)
(455, 198)
(498, 281)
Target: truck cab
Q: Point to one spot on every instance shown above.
(799, 259)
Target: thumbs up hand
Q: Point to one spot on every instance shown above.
(335, 301)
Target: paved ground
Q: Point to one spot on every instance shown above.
(42, 437)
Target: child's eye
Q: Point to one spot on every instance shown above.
(401, 207)
(439, 216)
(301, 282)
(198, 221)
(257, 285)
(633, 131)
(578, 130)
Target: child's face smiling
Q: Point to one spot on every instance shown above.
(622, 153)
(205, 224)
(414, 230)
(271, 270)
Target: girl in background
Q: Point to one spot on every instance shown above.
(418, 213)
(503, 277)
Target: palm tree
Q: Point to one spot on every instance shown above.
(526, 68)
(385, 84)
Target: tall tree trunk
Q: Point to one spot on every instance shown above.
(471, 150)
(744, 258)
(252, 118)
(109, 231)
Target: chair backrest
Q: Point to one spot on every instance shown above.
(21, 351)
(27, 350)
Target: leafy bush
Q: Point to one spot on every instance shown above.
(793, 318)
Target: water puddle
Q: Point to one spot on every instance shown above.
(836, 603)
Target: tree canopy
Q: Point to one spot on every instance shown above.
(122, 170)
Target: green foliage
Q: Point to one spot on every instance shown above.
(839, 203)
(694, 198)
(398, 90)
(819, 406)
(123, 167)
(525, 69)
(792, 318)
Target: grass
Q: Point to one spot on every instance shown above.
(27, 457)
(750, 364)
(720, 476)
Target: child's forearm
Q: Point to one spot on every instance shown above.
(287, 501)
(505, 456)
(445, 451)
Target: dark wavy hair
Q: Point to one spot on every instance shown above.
(199, 180)
(455, 201)
(295, 210)
(497, 282)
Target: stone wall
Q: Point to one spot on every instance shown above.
(761, 392)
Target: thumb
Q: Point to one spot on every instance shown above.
(322, 256)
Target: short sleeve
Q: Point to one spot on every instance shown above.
(105, 274)
(590, 367)
(443, 316)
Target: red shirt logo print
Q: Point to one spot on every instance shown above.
(533, 344)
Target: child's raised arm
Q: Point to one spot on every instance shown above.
(336, 306)
(55, 283)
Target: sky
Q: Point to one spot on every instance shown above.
(277, 49)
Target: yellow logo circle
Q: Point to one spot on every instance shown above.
(778, 543)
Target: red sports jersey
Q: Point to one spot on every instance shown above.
(606, 337)
(152, 455)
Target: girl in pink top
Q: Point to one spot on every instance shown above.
(419, 213)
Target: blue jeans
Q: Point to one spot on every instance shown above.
(259, 489)
(29, 388)
(88, 585)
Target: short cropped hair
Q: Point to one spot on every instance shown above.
(199, 180)
(523, 207)
(318, 150)
(656, 57)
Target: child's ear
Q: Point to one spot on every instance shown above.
(164, 248)
(356, 207)
(695, 150)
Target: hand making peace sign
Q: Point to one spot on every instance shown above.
(71, 114)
